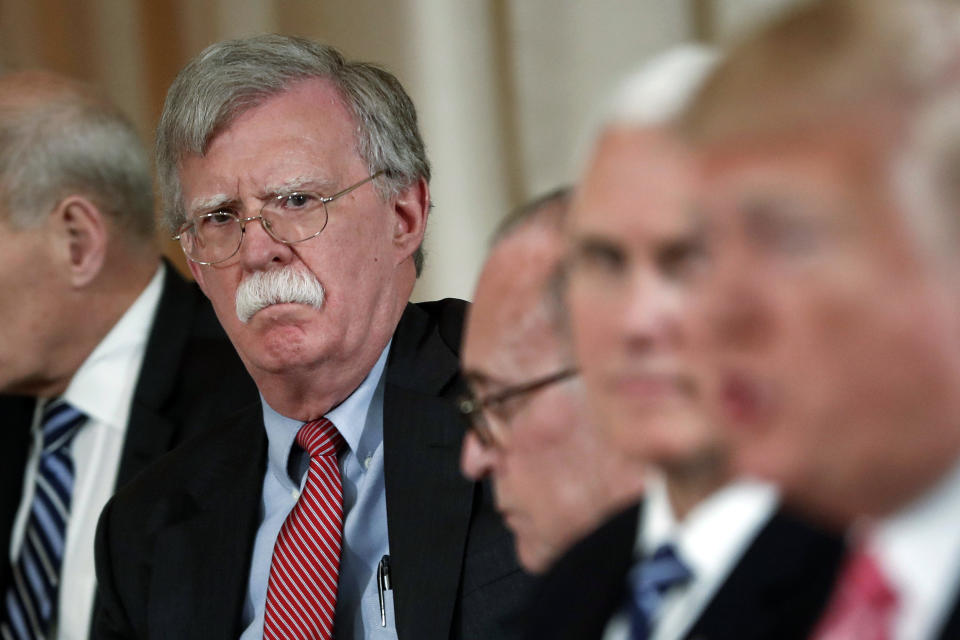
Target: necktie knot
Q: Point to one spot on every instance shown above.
(61, 421)
(863, 603)
(650, 581)
(866, 578)
(320, 438)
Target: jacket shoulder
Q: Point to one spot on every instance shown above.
(447, 317)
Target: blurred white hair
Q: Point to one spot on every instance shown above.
(653, 94)
(661, 88)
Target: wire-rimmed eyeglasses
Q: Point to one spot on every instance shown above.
(289, 218)
(494, 432)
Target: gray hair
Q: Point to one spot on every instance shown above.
(72, 143)
(545, 213)
(231, 77)
(662, 87)
(550, 208)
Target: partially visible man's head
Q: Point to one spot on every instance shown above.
(552, 475)
(634, 256)
(59, 137)
(831, 319)
(76, 222)
(328, 153)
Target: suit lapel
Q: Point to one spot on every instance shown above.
(203, 557)
(153, 433)
(951, 628)
(428, 500)
(779, 587)
(15, 436)
(563, 607)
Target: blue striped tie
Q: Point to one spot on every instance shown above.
(31, 599)
(650, 581)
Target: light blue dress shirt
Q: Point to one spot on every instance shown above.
(359, 419)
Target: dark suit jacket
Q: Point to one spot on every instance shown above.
(951, 628)
(174, 547)
(777, 589)
(190, 377)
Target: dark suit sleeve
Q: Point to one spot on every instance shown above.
(587, 585)
(110, 620)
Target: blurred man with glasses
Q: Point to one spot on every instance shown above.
(553, 477)
(115, 356)
(297, 184)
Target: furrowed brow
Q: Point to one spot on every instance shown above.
(211, 203)
(300, 183)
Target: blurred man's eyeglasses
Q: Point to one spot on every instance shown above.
(288, 218)
(494, 432)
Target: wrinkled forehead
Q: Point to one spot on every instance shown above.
(638, 189)
(847, 167)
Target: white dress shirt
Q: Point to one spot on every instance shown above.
(102, 388)
(709, 541)
(918, 550)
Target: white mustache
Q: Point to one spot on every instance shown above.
(265, 288)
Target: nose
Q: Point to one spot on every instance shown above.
(476, 460)
(259, 250)
(650, 317)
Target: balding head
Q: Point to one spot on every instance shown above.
(553, 477)
(59, 137)
(76, 227)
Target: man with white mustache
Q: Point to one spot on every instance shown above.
(264, 288)
(297, 184)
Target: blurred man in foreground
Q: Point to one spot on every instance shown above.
(832, 318)
(297, 182)
(553, 477)
(116, 358)
(701, 556)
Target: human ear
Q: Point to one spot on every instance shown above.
(79, 229)
(411, 207)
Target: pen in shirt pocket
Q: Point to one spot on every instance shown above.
(383, 585)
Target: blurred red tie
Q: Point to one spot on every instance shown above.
(863, 603)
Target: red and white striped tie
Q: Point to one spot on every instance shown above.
(302, 591)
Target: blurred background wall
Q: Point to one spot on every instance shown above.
(508, 91)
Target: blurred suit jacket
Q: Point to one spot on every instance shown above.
(190, 376)
(778, 589)
(174, 547)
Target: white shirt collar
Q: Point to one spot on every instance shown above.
(919, 553)
(710, 541)
(717, 531)
(720, 526)
(93, 388)
(657, 523)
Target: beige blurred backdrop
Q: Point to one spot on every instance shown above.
(508, 91)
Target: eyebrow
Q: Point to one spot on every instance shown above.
(478, 378)
(211, 203)
(581, 243)
(299, 183)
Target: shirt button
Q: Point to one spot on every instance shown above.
(367, 461)
(295, 494)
